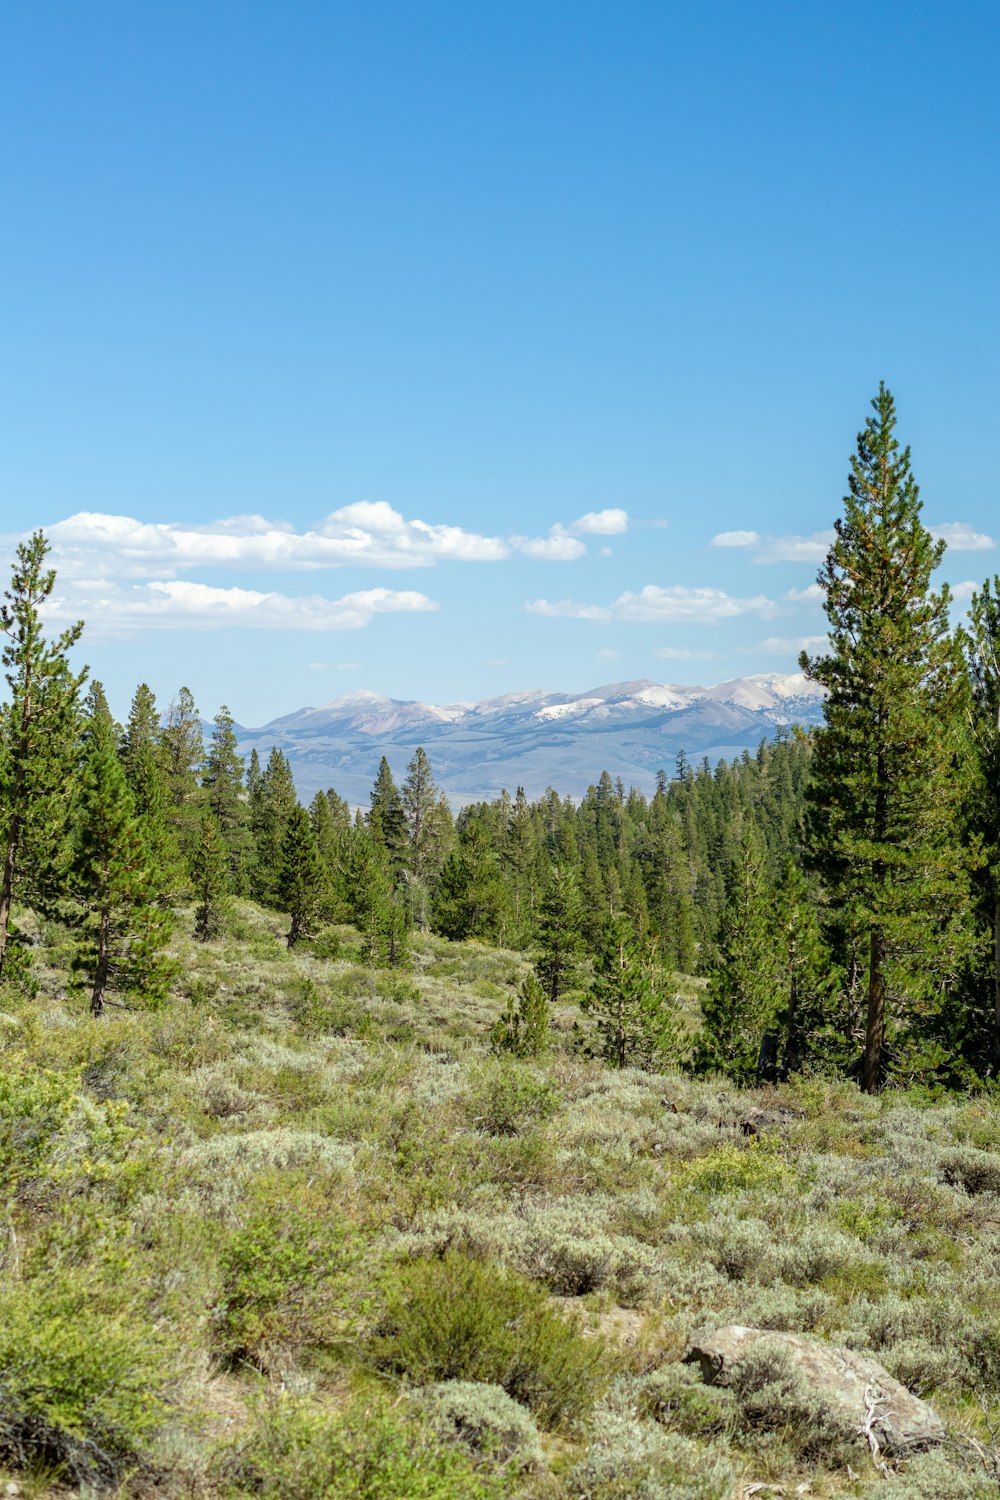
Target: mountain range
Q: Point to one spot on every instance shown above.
(534, 739)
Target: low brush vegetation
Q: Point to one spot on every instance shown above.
(300, 1232)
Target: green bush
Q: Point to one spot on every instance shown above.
(772, 1396)
(507, 1098)
(484, 1419)
(460, 1319)
(301, 1451)
(81, 1386)
(286, 1274)
(677, 1397)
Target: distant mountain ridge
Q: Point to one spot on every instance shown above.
(535, 739)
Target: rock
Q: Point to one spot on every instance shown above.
(876, 1405)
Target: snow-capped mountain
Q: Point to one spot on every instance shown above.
(535, 739)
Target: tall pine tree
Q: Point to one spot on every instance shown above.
(37, 731)
(883, 798)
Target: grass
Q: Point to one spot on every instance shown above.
(298, 1233)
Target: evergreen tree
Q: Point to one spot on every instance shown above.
(560, 934)
(222, 780)
(146, 778)
(741, 1004)
(210, 877)
(806, 978)
(272, 802)
(636, 1024)
(387, 820)
(430, 831)
(37, 730)
(981, 643)
(302, 884)
(524, 1028)
(182, 752)
(122, 929)
(471, 899)
(882, 818)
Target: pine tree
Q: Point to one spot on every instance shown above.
(37, 731)
(387, 819)
(210, 877)
(430, 832)
(981, 643)
(636, 1024)
(806, 977)
(883, 798)
(560, 934)
(471, 899)
(742, 1002)
(146, 777)
(182, 752)
(222, 780)
(302, 882)
(122, 929)
(271, 803)
(524, 1028)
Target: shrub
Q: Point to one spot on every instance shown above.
(677, 1397)
(732, 1169)
(507, 1098)
(772, 1396)
(81, 1386)
(459, 1319)
(932, 1476)
(975, 1171)
(301, 1451)
(286, 1274)
(632, 1460)
(487, 1421)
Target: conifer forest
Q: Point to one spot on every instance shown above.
(398, 1152)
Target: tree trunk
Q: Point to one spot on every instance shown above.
(101, 972)
(792, 1028)
(871, 1076)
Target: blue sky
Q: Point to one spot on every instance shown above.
(431, 348)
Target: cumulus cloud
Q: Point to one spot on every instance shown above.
(961, 537)
(810, 549)
(611, 522)
(116, 608)
(780, 645)
(736, 539)
(558, 546)
(813, 593)
(654, 603)
(607, 653)
(368, 533)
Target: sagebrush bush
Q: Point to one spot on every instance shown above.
(677, 1397)
(484, 1419)
(506, 1097)
(772, 1396)
(82, 1386)
(635, 1460)
(461, 1319)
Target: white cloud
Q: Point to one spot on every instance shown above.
(736, 539)
(706, 606)
(813, 593)
(605, 552)
(611, 522)
(811, 549)
(368, 533)
(779, 645)
(961, 537)
(114, 608)
(962, 592)
(567, 609)
(335, 666)
(558, 546)
(606, 653)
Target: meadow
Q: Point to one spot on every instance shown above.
(299, 1233)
